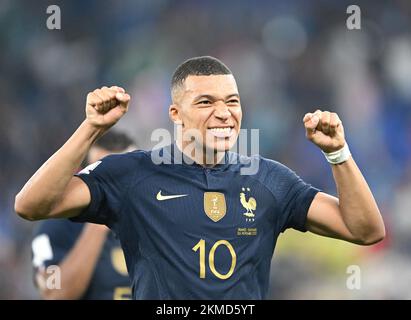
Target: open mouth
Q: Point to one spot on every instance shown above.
(221, 132)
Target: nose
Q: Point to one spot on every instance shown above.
(221, 111)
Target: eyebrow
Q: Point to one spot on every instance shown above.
(210, 97)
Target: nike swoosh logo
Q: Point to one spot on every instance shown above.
(160, 197)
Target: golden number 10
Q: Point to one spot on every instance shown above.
(201, 245)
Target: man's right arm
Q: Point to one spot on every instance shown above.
(53, 192)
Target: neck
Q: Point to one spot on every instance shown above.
(200, 154)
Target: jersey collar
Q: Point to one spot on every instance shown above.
(173, 149)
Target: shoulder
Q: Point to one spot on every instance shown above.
(117, 164)
(273, 167)
(258, 165)
(128, 159)
(275, 176)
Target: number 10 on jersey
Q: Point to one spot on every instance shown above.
(201, 246)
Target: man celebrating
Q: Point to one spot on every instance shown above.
(195, 230)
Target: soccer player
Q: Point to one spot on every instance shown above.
(89, 257)
(192, 230)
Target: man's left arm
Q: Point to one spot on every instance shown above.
(353, 216)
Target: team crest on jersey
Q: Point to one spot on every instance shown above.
(250, 204)
(215, 205)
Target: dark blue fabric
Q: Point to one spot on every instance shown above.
(158, 237)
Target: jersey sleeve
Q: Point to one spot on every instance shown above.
(293, 196)
(52, 241)
(107, 181)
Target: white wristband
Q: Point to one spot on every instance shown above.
(338, 156)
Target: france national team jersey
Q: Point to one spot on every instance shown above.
(190, 232)
(54, 239)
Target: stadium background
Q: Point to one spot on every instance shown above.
(289, 57)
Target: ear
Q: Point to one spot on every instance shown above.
(174, 114)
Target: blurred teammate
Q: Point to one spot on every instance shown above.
(89, 256)
(197, 230)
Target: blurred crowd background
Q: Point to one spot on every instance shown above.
(289, 57)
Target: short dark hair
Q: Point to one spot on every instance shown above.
(115, 141)
(198, 66)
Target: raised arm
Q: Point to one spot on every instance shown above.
(52, 191)
(353, 216)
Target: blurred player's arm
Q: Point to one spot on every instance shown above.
(353, 216)
(77, 267)
(53, 191)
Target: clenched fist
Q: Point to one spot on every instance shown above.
(105, 106)
(325, 130)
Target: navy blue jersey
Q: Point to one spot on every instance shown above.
(54, 239)
(190, 232)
